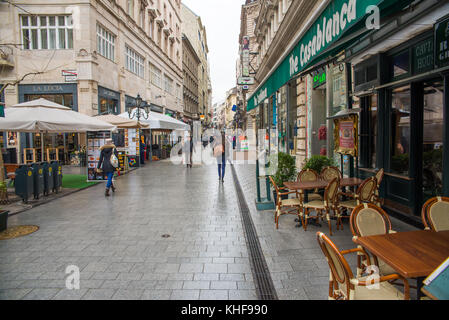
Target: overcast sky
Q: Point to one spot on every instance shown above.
(222, 21)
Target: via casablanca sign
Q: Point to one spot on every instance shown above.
(337, 20)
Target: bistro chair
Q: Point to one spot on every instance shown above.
(322, 207)
(285, 206)
(376, 199)
(435, 214)
(329, 173)
(344, 286)
(367, 220)
(307, 175)
(364, 194)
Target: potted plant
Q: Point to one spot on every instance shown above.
(318, 162)
(286, 171)
(3, 213)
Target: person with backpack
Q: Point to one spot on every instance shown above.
(108, 163)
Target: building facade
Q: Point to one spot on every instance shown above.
(369, 99)
(190, 63)
(248, 18)
(95, 57)
(231, 101)
(196, 32)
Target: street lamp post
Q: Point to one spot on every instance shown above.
(141, 111)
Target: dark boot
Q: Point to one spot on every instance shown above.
(106, 193)
(113, 188)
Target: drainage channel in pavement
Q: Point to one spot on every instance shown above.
(261, 274)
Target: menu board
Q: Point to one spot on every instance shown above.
(345, 135)
(95, 140)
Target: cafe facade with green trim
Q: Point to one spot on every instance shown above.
(396, 82)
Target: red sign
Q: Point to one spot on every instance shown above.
(347, 134)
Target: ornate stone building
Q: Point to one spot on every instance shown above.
(190, 62)
(97, 55)
(194, 29)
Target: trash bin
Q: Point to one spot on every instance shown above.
(38, 178)
(24, 183)
(48, 178)
(57, 176)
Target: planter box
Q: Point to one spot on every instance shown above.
(3, 220)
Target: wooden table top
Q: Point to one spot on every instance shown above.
(320, 184)
(412, 254)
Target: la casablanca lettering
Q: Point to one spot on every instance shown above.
(325, 32)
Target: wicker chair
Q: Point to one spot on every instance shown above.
(329, 203)
(310, 175)
(364, 194)
(435, 214)
(329, 173)
(344, 286)
(367, 220)
(376, 199)
(285, 206)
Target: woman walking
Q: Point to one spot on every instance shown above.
(105, 165)
(220, 149)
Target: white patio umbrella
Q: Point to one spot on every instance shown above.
(43, 116)
(161, 121)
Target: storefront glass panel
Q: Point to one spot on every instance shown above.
(373, 130)
(62, 99)
(282, 118)
(108, 106)
(433, 140)
(400, 131)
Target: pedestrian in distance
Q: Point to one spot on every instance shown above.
(188, 150)
(108, 163)
(220, 149)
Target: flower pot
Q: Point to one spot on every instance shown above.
(3, 220)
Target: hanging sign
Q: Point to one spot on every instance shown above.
(442, 43)
(346, 135)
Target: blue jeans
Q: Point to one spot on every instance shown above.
(221, 170)
(110, 176)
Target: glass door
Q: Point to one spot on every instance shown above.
(432, 180)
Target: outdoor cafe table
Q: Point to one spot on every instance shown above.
(413, 254)
(319, 184)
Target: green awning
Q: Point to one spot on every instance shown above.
(341, 23)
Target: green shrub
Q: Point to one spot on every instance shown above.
(286, 170)
(318, 162)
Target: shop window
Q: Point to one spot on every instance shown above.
(108, 106)
(401, 64)
(433, 140)
(400, 131)
(62, 99)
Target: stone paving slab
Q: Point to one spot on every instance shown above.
(118, 246)
(296, 263)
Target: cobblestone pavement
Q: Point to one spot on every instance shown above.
(296, 263)
(117, 242)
